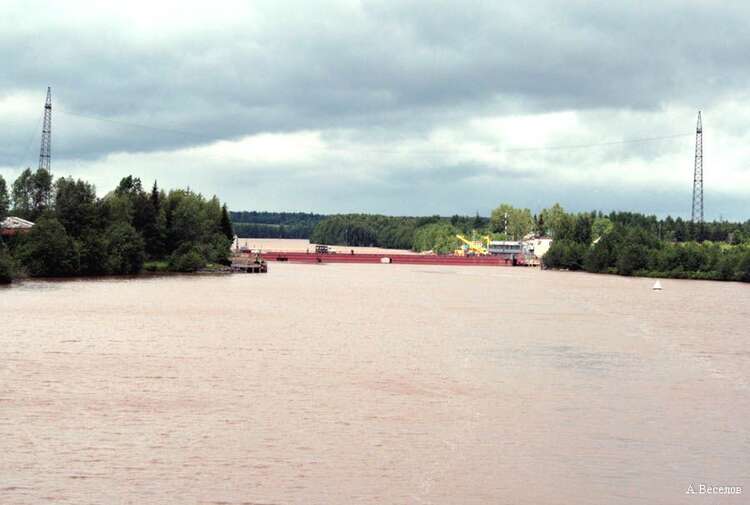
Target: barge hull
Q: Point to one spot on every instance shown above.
(402, 259)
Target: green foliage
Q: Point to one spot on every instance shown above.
(566, 254)
(634, 257)
(125, 249)
(129, 186)
(82, 235)
(217, 250)
(75, 205)
(32, 193)
(603, 255)
(180, 220)
(274, 224)
(465, 224)
(633, 244)
(4, 199)
(478, 222)
(7, 269)
(226, 224)
(187, 259)
(601, 227)
(156, 266)
(48, 251)
(187, 222)
(512, 221)
(742, 270)
(93, 254)
(117, 208)
(582, 229)
(553, 219)
(366, 230)
(438, 237)
(396, 232)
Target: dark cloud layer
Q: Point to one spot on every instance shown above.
(380, 70)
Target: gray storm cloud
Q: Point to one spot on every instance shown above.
(379, 75)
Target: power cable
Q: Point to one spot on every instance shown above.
(430, 152)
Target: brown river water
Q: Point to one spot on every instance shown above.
(374, 384)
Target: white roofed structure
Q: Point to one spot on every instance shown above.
(12, 225)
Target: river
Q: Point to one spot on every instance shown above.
(374, 384)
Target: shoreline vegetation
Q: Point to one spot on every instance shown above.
(126, 232)
(621, 243)
(632, 244)
(131, 230)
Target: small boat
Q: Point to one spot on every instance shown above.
(657, 286)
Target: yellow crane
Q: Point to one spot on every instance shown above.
(480, 247)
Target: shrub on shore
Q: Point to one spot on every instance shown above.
(187, 259)
(48, 251)
(6, 266)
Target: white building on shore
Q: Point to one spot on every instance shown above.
(535, 245)
(13, 225)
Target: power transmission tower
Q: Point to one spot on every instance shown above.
(697, 215)
(45, 151)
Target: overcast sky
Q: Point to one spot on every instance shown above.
(398, 107)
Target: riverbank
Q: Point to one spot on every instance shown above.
(632, 253)
(150, 269)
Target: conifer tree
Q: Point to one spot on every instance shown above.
(226, 223)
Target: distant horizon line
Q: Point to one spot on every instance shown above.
(721, 219)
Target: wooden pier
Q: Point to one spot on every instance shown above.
(242, 265)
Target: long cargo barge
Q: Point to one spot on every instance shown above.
(401, 259)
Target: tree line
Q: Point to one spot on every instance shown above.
(627, 243)
(254, 224)
(367, 230)
(426, 233)
(77, 233)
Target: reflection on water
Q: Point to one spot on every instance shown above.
(372, 384)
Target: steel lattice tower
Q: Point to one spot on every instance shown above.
(45, 151)
(697, 215)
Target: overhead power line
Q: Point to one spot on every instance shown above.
(133, 125)
(597, 144)
(428, 151)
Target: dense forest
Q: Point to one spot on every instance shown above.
(633, 244)
(430, 233)
(417, 233)
(274, 224)
(129, 229)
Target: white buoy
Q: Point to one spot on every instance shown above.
(657, 286)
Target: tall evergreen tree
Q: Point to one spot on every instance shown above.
(153, 230)
(4, 199)
(156, 198)
(477, 224)
(226, 223)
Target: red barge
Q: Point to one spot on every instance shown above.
(398, 258)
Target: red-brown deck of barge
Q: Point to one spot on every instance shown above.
(403, 258)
